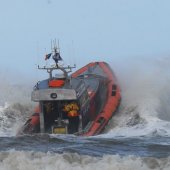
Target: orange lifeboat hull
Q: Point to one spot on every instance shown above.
(112, 101)
(103, 98)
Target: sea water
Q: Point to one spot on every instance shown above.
(137, 137)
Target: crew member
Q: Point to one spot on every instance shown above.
(72, 109)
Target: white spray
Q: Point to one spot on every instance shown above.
(145, 108)
(15, 104)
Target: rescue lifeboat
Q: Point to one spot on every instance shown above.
(81, 103)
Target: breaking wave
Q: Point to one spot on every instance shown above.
(19, 160)
(145, 108)
(12, 117)
(15, 105)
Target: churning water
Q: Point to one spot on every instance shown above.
(137, 137)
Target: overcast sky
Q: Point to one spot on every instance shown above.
(88, 30)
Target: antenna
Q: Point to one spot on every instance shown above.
(51, 45)
(55, 42)
(58, 46)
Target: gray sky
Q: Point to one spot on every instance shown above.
(88, 30)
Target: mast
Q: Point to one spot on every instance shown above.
(56, 57)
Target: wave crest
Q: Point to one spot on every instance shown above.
(19, 160)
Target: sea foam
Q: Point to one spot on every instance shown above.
(19, 160)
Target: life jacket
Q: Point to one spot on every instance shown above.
(73, 113)
(56, 83)
(71, 109)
